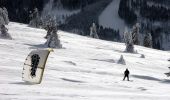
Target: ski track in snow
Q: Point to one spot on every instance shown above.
(110, 18)
(86, 69)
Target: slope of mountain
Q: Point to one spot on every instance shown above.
(85, 69)
(110, 18)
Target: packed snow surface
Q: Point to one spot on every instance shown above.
(109, 18)
(85, 69)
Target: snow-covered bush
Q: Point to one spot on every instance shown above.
(128, 42)
(121, 60)
(53, 40)
(4, 32)
(147, 42)
(142, 56)
(93, 31)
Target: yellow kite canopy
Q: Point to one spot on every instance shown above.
(34, 66)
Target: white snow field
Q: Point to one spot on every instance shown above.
(110, 18)
(85, 69)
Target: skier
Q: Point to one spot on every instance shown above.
(126, 74)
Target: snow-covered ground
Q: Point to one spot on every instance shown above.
(85, 69)
(110, 18)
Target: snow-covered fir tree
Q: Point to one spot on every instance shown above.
(128, 41)
(59, 5)
(53, 39)
(4, 32)
(35, 19)
(5, 11)
(147, 42)
(121, 60)
(4, 20)
(48, 26)
(135, 34)
(93, 31)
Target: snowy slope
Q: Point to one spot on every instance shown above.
(110, 18)
(85, 69)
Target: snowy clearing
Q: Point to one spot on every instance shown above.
(110, 18)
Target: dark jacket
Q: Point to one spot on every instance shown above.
(126, 72)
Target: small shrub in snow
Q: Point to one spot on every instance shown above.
(93, 31)
(121, 60)
(2, 22)
(168, 74)
(4, 32)
(142, 56)
(136, 51)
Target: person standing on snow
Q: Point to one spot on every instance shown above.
(126, 74)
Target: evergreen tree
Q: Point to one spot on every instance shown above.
(35, 19)
(158, 45)
(93, 31)
(59, 5)
(128, 42)
(2, 22)
(135, 34)
(53, 40)
(4, 16)
(125, 12)
(148, 40)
